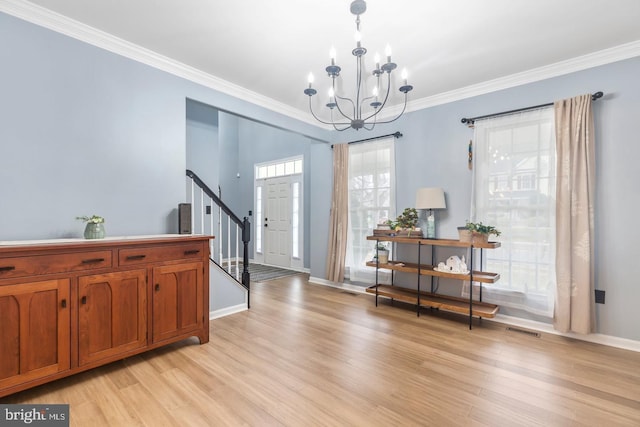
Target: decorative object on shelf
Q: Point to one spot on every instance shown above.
(94, 228)
(453, 265)
(405, 224)
(384, 225)
(481, 232)
(382, 252)
(464, 234)
(360, 117)
(429, 199)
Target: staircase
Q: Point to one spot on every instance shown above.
(209, 215)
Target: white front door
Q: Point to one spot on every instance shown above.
(277, 222)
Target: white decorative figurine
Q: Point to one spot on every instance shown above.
(453, 265)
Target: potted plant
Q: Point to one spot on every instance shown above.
(382, 252)
(94, 228)
(481, 232)
(405, 222)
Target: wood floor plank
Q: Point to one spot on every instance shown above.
(309, 355)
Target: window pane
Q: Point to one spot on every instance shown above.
(289, 168)
(514, 173)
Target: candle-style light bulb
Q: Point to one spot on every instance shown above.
(375, 92)
(358, 37)
(332, 55)
(404, 75)
(376, 59)
(387, 52)
(331, 93)
(310, 79)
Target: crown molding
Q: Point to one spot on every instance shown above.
(595, 59)
(42, 17)
(48, 19)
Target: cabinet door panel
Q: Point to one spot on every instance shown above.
(112, 314)
(35, 332)
(177, 300)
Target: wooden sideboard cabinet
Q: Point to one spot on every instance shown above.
(71, 305)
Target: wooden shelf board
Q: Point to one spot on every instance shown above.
(427, 299)
(428, 270)
(434, 242)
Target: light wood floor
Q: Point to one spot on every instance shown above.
(308, 355)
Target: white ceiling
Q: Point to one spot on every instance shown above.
(270, 46)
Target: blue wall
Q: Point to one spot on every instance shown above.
(86, 131)
(433, 152)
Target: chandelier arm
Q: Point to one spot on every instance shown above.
(404, 107)
(343, 129)
(333, 123)
(320, 120)
(336, 96)
(386, 97)
(340, 109)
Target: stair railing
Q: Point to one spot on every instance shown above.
(230, 231)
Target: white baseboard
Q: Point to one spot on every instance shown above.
(227, 311)
(346, 286)
(607, 340)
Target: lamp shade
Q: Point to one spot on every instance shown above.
(430, 198)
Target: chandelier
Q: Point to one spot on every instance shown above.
(355, 112)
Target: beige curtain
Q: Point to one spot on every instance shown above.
(575, 306)
(339, 214)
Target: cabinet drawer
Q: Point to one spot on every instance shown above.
(142, 255)
(51, 264)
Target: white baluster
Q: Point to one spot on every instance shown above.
(237, 257)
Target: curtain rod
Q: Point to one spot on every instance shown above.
(471, 120)
(395, 134)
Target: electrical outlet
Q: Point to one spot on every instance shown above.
(599, 296)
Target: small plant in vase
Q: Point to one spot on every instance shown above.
(94, 228)
(481, 232)
(406, 221)
(381, 252)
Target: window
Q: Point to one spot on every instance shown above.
(514, 189)
(258, 219)
(371, 200)
(295, 220)
(281, 168)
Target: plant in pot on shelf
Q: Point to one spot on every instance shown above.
(480, 232)
(406, 222)
(94, 228)
(381, 252)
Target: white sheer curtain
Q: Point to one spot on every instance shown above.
(514, 188)
(371, 199)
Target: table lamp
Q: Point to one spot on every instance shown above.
(429, 199)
